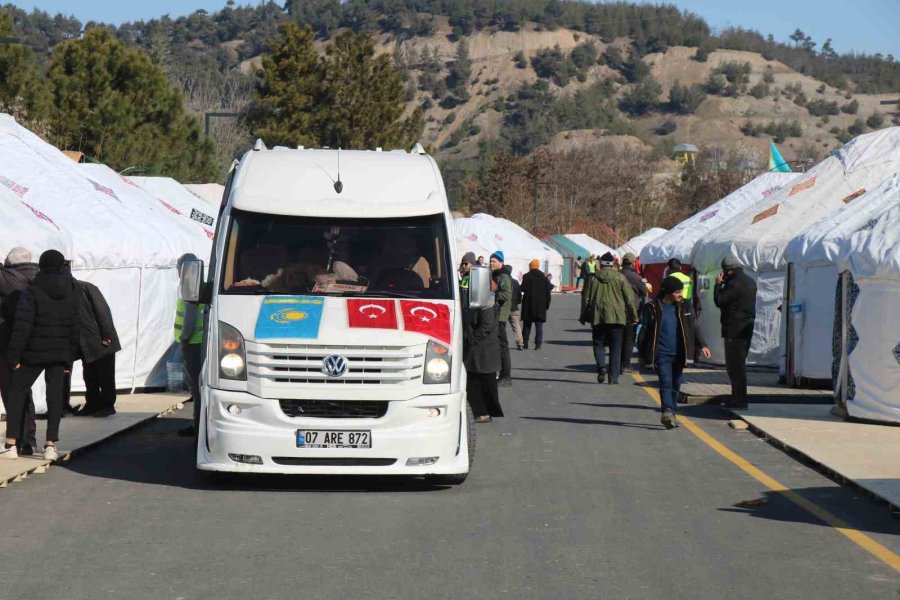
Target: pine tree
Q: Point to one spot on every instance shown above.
(114, 105)
(289, 91)
(23, 88)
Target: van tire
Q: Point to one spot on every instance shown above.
(459, 478)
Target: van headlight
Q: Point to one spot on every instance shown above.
(232, 356)
(437, 363)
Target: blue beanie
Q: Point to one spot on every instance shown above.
(499, 256)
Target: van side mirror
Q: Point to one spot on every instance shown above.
(480, 294)
(191, 280)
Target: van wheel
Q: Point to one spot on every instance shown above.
(459, 478)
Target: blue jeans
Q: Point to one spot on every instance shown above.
(668, 369)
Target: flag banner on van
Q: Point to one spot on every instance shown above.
(429, 318)
(372, 314)
(289, 317)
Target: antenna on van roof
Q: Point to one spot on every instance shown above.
(338, 186)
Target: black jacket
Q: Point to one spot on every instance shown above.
(45, 328)
(689, 334)
(96, 324)
(736, 299)
(13, 280)
(481, 342)
(636, 283)
(535, 296)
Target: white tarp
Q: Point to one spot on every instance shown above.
(181, 202)
(484, 234)
(210, 192)
(872, 353)
(590, 244)
(758, 236)
(117, 236)
(637, 243)
(813, 255)
(679, 241)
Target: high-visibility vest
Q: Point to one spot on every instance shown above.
(688, 284)
(197, 336)
(591, 266)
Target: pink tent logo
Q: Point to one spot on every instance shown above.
(40, 215)
(102, 188)
(472, 238)
(709, 215)
(169, 206)
(498, 237)
(18, 190)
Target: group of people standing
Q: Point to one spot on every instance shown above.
(486, 349)
(48, 320)
(617, 302)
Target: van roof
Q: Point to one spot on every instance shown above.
(302, 182)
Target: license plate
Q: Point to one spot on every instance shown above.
(324, 438)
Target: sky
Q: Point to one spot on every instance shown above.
(869, 26)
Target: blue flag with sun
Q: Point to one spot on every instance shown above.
(289, 317)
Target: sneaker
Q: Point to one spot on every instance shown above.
(84, 411)
(537, 346)
(520, 347)
(505, 382)
(50, 453)
(613, 382)
(9, 453)
(675, 422)
(104, 412)
(666, 420)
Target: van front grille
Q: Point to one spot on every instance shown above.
(334, 409)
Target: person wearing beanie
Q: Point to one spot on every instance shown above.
(502, 276)
(465, 266)
(735, 295)
(535, 303)
(608, 305)
(640, 292)
(674, 268)
(663, 344)
(45, 339)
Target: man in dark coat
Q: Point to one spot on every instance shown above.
(15, 275)
(535, 303)
(608, 305)
(665, 329)
(99, 344)
(481, 357)
(735, 295)
(502, 276)
(639, 287)
(44, 339)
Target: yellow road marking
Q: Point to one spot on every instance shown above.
(862, 540)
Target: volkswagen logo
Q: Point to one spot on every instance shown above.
(335, 365)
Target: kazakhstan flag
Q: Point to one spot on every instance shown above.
(776, 162)
(289, 317)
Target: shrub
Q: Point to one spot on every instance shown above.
(642, 98)
(549, 63)
(858, 127)
(851, 108)
(584, 55)
(685, 100)
(818, 108)
(875, 121)
(760, 90)
(666, 128)
(769, 75)
(520, 60)
(821, 89)
(449, 118)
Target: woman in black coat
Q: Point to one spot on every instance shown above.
(481, 357)
(535, 303)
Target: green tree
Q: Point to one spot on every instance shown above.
(642, 98)
(289, 90)
(459, 73)
(114, 105)
(875, 120)
(23, 89)
(362, 101)
(686, 99)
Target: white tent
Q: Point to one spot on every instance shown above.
(758, 236)
(210, 192)
(117, 237)
(484, 234)
(869, 349)
(637, 243)
(181, 202)
(590, 244)
(679, 241)
(813, 276)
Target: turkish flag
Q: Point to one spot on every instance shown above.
(429, 318)
(372, 314)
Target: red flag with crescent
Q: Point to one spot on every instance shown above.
(371, 314)
(429, 318)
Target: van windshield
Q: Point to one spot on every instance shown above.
(274, 254)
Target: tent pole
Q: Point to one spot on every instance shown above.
(137, 339)
(790, 339)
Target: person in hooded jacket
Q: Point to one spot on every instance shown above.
(535, 303)
(98, 344)
(735, 295)
(502, 277)
(608, 305)
(15, 275)
(667, 336)
(481, 357)
(44, 339)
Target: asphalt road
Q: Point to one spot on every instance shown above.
(577, 493)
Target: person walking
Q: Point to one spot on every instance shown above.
(535, 303)
(735, 295)
(515, 313)
(640, 293)
(189, 335)
(608, 305)
(44, 339)
(665, 331)
(503, 281)
(481, 357)
(15, 275)
(579, 263)
(99, 344)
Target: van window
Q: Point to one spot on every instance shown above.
(275, 254)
